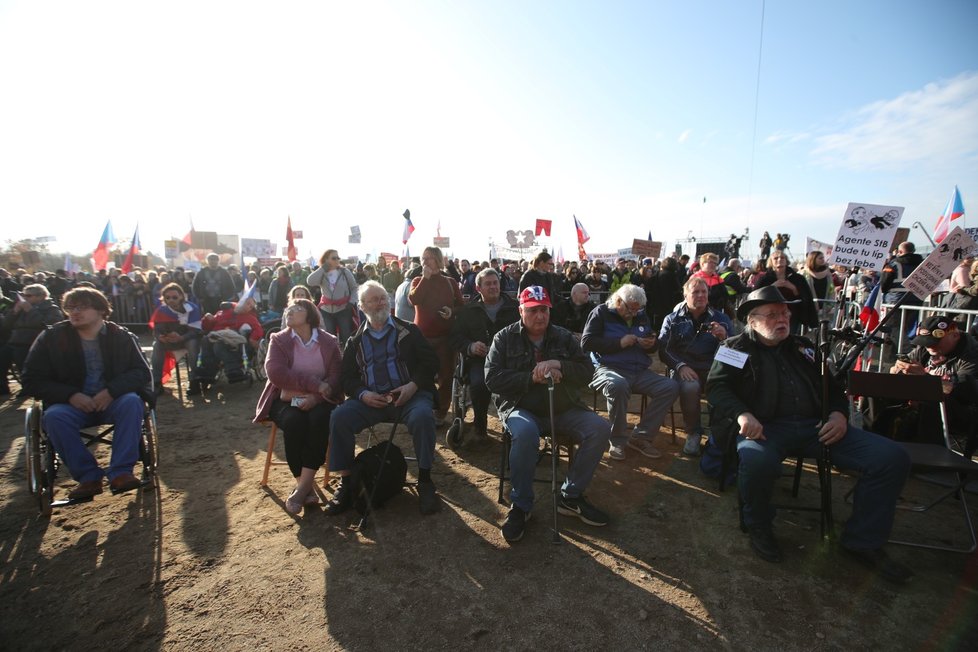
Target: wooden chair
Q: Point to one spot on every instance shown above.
(954, 469)
(270, 462)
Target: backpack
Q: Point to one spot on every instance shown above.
(711, 458)
(367, 471)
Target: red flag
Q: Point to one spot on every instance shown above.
(100, 258)
(581, 254)
(189, 238)
(408, 227)
(543, 226)
(133, 251)
(291, 251)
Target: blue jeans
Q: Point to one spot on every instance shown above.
(478, 390)
(63, 421)
(618, 388)
(586, 428)
(882, 464)
(353, 415)
(339, 323)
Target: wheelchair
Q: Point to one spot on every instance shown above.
(250, 368)
(270, 326)
(43, 463)
(460, 402)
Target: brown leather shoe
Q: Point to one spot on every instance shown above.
(124, 482)
(85, 490)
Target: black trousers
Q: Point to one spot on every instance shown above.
(306, 434)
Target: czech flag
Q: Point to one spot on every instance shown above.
(291, 251)
(953, 210)
(408, 227)
(133, 251)
(582, 235)
(100, 258)
(870, 314)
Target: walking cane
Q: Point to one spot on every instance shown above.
(554, 452)
(825, 463)
(380, 470)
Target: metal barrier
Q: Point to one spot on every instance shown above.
(131, 310)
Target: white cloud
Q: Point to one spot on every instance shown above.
(938, 123)
(683, 137)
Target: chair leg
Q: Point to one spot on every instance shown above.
(503, 465)
(268, 455)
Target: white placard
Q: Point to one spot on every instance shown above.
(733, 358)
(865, 235)
(938, 265)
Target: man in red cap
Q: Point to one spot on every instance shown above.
(522, 360)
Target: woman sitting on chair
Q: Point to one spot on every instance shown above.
(303, 367)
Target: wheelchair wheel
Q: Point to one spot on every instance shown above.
(41, 462)
(260, 354)
(149, 447)
(453, 437)
(32, 449)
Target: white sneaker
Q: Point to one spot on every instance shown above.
(616, 452)
(692, 446)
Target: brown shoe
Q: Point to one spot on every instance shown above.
(86, 490)
(124, 482)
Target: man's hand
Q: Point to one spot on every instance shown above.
(750, 427)
(310, 401)
(628, 340)
(82, 402)
(374, 400)
(545, 367)
(686, 373)
(718, 330)
(102, 400)
(445, 312)
(909, 368)
(833, 429)
(478, 349)
(404, 393)
(647, 342)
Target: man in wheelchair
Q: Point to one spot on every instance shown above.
(234, 325)
(89, 371)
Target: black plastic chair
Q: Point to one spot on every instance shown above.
(953, 467)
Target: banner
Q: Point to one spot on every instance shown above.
(441, 243)
(646, 248)
(255, 248)
(939, 264)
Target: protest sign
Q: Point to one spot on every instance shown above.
(866, 235)
(938, 265)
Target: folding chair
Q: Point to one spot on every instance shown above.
(924, 458)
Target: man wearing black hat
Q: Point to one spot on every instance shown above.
(767, 381)
(942, 349)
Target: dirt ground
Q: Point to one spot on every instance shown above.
(209, 560)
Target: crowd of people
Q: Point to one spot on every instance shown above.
(357, 344)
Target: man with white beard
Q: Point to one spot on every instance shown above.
(388, 374)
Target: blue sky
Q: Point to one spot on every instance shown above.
(483, 116)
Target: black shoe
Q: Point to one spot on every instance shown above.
(515, 524)
(582, 509)
(194, 388)
(881, 563)
(427, 498)
(342, 500)
(763, 543)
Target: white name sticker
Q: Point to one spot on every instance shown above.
(733, 358)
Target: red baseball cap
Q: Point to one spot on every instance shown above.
(534, 295)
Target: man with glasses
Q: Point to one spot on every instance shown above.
(389, 374)
(89, 371)
(620, 338)
(766, 384)
(176, 325)
(688, 341)
(32, 312)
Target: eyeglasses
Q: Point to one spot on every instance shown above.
(334, 257)
(772, 316)
(374, 301)
(77, 308)
(295, 309)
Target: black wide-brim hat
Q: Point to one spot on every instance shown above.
(767, 294)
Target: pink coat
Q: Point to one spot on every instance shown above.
(278, 366)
